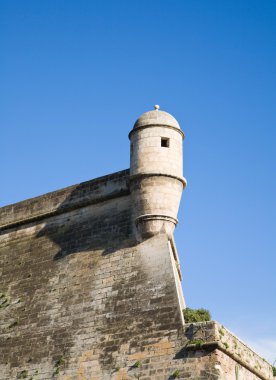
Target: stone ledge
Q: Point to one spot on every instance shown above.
(133, 177)
(213, 335)
(156, 125)
(57, 202)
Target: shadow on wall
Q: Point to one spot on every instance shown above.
(77, 227)
(103, 226)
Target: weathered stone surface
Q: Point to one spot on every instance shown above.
(67, 199)
(80, 288)
(84, 297)
(156, 173)
(84, 300)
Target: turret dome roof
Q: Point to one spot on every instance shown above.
(156, 117)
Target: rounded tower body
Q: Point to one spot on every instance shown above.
(156, 172)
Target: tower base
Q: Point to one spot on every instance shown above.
(151, 224)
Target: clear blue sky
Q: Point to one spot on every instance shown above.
(74, 76)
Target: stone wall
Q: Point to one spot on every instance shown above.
(233, 358)
(80, 299)
(60, 201)
(77, 292)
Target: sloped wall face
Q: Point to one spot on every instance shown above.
(79, 297)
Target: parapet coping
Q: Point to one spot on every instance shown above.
(67, 199)
(214, 335)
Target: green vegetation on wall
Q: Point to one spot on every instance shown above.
(196, 315)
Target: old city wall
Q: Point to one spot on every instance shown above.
(81, 299)
(77, 291)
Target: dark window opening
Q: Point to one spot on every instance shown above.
(165, 142)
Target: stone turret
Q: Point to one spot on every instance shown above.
(156, 173)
